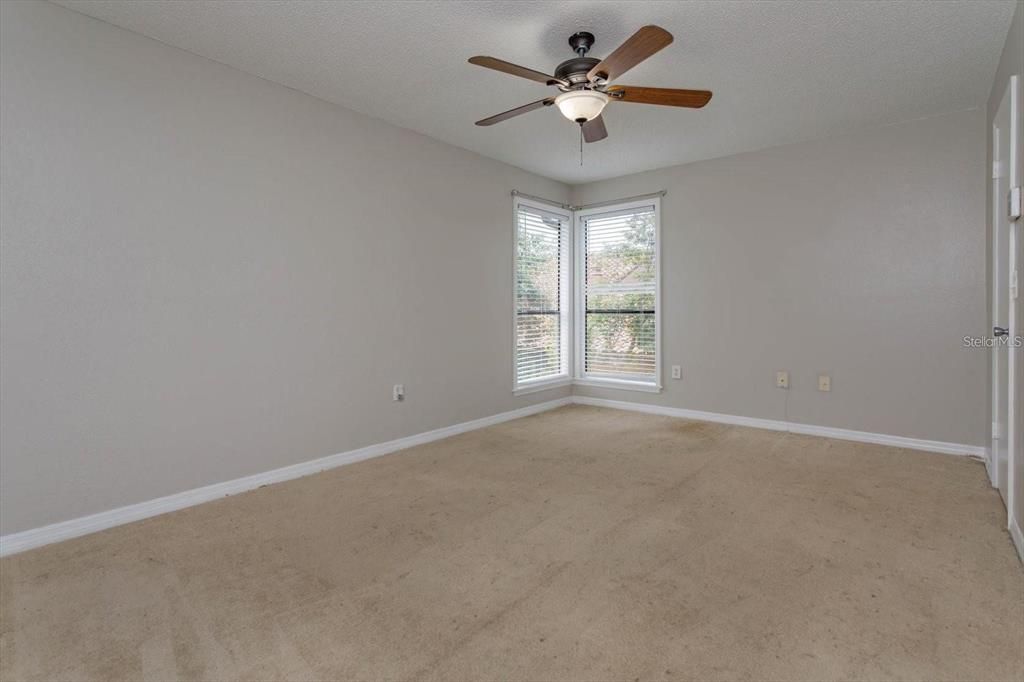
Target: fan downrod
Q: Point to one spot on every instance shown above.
(581, 42)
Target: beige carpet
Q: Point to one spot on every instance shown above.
(583, 544)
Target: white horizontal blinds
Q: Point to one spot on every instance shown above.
(620, 287)
(539, 250)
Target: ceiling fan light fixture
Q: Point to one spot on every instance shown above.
(582, 82)
(581, 106)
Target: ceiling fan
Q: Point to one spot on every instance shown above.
(585, 82)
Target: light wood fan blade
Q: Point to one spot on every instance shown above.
(669, 97)
(594, 130)
(498, 118)
(637, 48)
(515, 70)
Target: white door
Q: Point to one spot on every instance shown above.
(1004, 301)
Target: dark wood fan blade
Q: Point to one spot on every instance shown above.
(669, 97)
(594, 130)
(637, 48)
(498, 118)
(515, 70)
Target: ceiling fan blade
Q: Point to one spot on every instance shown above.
(637, 48)
(594, 130)
(498, 118)
(669, 97)
(516, 70)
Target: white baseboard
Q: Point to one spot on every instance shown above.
(65, 530)
(977, 451)
(1018, 538)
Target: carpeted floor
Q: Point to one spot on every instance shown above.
(583, 544)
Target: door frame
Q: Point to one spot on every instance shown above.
(1009, 166)
(995, 434)
(1013, 465)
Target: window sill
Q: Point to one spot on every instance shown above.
(621, 384)
(546, 385)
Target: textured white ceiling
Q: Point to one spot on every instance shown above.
(781, 71)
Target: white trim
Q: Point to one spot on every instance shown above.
(65, 530)
(620, 384)
(613, 202)
(533, 197)
(977, 451)
(565, 285)
(546, 385)
(1005, 437)
(1013, 438)
(580, 327)
(992, 464)
(1018, 538)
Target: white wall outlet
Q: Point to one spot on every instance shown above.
(398, 393)
(782, 379)
(824, 382)
(677, 372)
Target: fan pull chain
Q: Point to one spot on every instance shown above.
(581, 145)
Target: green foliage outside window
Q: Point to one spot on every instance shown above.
(620, 324)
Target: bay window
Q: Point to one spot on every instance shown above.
(614, 332)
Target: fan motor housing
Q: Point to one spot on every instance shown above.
(575, 70)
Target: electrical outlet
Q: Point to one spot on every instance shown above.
(677, 372)
(782, 379)
(824, 383)
(398, 393)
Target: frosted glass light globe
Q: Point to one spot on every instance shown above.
(581, 106)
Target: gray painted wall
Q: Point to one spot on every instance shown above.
(1011, 62)
(183, 306)
(206, 275)
(860, 256)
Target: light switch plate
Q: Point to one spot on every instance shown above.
(824, 383)
(782, 379)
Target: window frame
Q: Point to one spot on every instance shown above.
(582, 377)
(565, 375)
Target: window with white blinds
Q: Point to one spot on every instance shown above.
(542, 295)
(618, 320)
